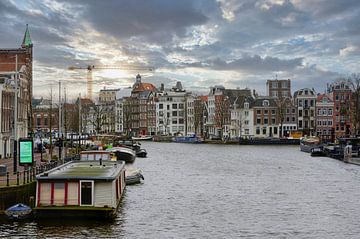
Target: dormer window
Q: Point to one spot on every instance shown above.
(265, 103)
(246, 105)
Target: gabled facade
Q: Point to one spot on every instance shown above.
(324, 117)
(305, 100)
(266, 118)
(342, 96)
(171, 112)
(242, 118)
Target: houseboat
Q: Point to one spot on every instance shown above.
(85, 189)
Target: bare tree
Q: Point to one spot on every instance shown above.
(355, 83)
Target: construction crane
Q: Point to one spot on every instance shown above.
(90, 69)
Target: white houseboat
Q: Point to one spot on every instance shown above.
(80, 189)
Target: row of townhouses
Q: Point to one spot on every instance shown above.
(144, 109)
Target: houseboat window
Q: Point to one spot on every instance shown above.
(86, 194)
(59, 194)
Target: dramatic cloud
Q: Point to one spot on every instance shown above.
(237, 43)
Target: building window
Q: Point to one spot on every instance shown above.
(246, 105)
(257, 130)
(264, 131)
(161, 106)
(258, 121)
(300, 113)
(265, 103)
(258, 112)
(174, 106)
(246, 131)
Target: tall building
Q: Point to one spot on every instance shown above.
(107, 108)
(265, 117)
(305, 101)
(143, 108)
(15, 66)
(342, 96)
(324, 117)
(278, 88)
(171, 111)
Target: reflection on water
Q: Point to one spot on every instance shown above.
(224, 191)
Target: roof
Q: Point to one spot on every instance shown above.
(91, 170)
(259, 102)
(27, 40)
(144, 86)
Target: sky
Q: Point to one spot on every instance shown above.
(202, 43)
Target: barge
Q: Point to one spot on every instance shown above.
(85, 189)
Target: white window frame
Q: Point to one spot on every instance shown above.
(92, 192)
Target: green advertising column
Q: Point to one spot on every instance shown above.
(26, 152)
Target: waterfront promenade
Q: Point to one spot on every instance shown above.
(22, 176)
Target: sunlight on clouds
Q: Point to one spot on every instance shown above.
(228, 8)
(267, 4)
(349, 50)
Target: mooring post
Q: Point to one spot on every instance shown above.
(17, 178)
(7, 179)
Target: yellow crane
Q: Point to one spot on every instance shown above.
(90, 69)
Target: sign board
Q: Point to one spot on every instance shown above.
(26, 152)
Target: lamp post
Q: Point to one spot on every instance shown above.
(15, 116)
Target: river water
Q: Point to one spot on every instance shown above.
(224, 191)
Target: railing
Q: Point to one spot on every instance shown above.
(26, 176)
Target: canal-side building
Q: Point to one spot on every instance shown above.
(287, 115)
(305, 100)
(15, 63)
(278, 88)
(242, 118)
(265, 117)
(342, 96)
(121, 114)
(142, 107)
(220, 101)
(324, 117)
(171, 111)
(107, 107)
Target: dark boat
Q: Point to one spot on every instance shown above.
(123, 153)
(317, 152)
(18, 211)
(141, 153)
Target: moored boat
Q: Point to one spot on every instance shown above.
(80, 189)
(142, 137)
(308, 143)
(141, 153)
(188, 139)
(123, 153)
(18, 211)
(133, 176)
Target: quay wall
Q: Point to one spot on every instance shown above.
(12, 195)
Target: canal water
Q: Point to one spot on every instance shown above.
(224, 191)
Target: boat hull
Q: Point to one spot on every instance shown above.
(75, 212)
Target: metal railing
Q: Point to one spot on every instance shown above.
(29, 175)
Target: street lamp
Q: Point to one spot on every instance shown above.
(15, 116)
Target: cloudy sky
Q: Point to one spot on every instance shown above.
(236, 43)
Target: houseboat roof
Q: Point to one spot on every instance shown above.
(91, 170)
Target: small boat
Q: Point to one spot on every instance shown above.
(188, 139)
(142, 137)
(141, 153)
(123, 153)
(133, 176)
(317, 152)
(308, 143)
(18, 211)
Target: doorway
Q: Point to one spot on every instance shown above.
(86, 194)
